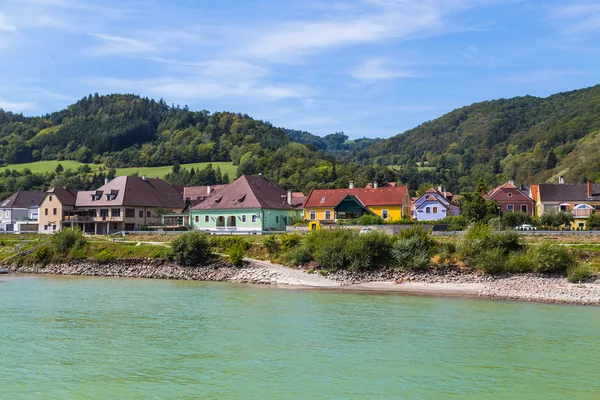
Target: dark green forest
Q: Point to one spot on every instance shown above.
(528, 139)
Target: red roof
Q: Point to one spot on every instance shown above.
(200, 192)
(369, 197)
(389, 184)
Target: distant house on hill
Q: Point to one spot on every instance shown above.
(512, 199)
(20, 212)
(329, 205)
(249, 204)
(433, 205)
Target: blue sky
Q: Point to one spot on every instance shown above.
(366, 67)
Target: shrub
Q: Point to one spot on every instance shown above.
(368, 219)
(358, 254)
(103, 256)
(418, 231)
(412, 253)
(192, 248)
(519, 262)
(290, 240)
(236, 254)
(301, 255)
(67, 239)
(332, 255)
(579, 273)
(78, 253)
(593, 222)
(549, 257)
(271, 245)
(43, 254)
(226, 242)
(490, 261)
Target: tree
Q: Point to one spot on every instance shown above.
(192, 248)
(593, 222)
(475, 208)
(176, 167)
(59, 169)
(556, 219)
(551, 160)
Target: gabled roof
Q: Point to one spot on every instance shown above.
(67, 197)
(433, 198)
(568, 192)
(200, 192)
(369, 197)
(508, 187)
(133, 191)
(432, 195)
(23, 200)
(534, 191)
(248, 192)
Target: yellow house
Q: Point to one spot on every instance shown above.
(329, 205)
(55, 207)
(579, 199)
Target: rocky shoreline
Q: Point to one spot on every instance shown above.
(526, 287)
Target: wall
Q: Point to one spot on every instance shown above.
(49, 203)
(320, 213)
(214, 214)
(394, 212)
(422, 215)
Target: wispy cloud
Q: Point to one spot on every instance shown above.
(17, 106)
(577, 18)
(5, 26)
(372, 70)
(120, 45)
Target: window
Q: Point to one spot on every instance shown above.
(53, 227)
(244, 218)
(435, 210)
(327, 214)
(104, 212)
(313, 215)
(115, 225)
(45, 227)
(115, 212)
(148, 214)
(385, 214)
(141, 214)
(50, 198)
(510, 208)
(54, 211)
(323, 199)
(581, 224)
(564, 208)
(523, 208)
(45, 211)
(277, 219)
(197, 218)
(130, 213)
(254, 218)
(6, 213)
(111, 196)
(206, 218)
(428, 210)
(509, 194)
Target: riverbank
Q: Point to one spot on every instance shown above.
(450, 282)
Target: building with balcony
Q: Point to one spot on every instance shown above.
(19, 212)
(57, 203)
(249, 204)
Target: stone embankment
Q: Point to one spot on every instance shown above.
(449, 275)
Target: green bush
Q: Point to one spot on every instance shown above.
(67, 239)
(192, 248)
(236, 254)
(43, 254)
(271, 245)
(417, 231)
(301, 255)
(579, 273)
(79, 253)
(103, 256)
(228, 241)
(482, 237)
(549, 257)
(412, 253)
(490, 261)
(290, 240)
(519, 262)
(332, 255)
(368, 219)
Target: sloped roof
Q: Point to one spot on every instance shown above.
(369, 197)
(388, 184)
(67, 197)
(200, 192)
(133, 191)
(508, 187)
(23, 200)
(534, 191)
(247, 192)
(552, 192)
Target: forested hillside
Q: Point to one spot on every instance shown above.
(528, 139)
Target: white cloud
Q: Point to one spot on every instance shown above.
(578, 18)
(17, 106)
(5, 26)
(120, 45)
(379, 69)
(218, 69)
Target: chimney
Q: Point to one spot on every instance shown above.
(561, 180)
(105, 181)
(440, 188)
(208, 189)
(375, 185)
(512, 182)
(289, 197)
(143, 177)
(589, 189)
(351, 186)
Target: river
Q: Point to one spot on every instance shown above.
(100, 338)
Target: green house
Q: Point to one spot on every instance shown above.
(249, 204)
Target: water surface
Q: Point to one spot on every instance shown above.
(75, 338)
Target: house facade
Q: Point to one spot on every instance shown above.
(20, 212)
(329, 205)
(512, 199)
(579, 199)
(249, 204)
(55, 206)
(433, 206)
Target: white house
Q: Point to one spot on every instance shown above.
(433, 206)
(19, 213)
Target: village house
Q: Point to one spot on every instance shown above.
(579, 199)
(433, 205)
(249, 204)
(512, 199)
(329, 205)
(56, 204)
(19, 212)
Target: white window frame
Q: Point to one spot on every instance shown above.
(510, 208)
(427, 210)
(254, 218)
(206, 218)
(526, 208)
(197, 218)
(327, 214)
(385, 214)
(435, 210)
(312, 215)
(243, 217)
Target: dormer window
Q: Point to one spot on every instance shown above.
(95, 197)
(241, 198)
(218, 199)
(323, 199)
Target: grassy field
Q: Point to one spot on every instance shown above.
(49, 166)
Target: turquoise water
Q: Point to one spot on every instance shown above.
(76, 338)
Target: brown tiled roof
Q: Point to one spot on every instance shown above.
(247, 192)
(550, 192)
(369, 197)
(23, 200)
(501, 193)
(134, 191)
(66, 196)
(200, 192)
